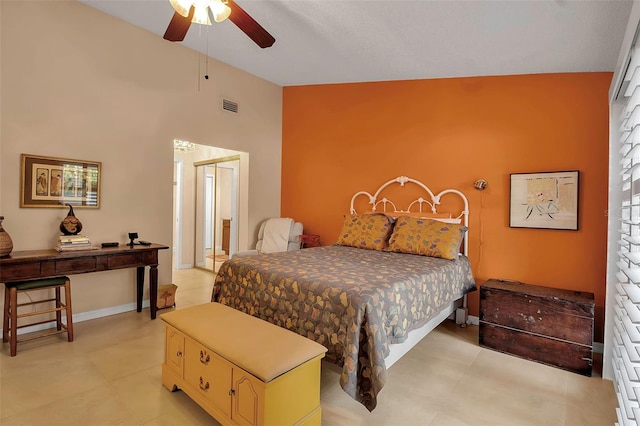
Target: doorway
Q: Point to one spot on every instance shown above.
(187, 191)
(216, 213)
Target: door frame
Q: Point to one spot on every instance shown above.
(177, 211)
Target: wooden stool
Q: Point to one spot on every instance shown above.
(11, 305)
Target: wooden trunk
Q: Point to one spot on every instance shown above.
(547, 325)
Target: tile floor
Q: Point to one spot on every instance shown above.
(110, 375)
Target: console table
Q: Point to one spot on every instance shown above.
(32, 264)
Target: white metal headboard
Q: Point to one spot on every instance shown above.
(433, 201)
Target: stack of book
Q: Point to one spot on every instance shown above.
(74, 242)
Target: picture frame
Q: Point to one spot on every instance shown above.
(56, 182)
(545, 200)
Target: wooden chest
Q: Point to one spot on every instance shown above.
(240, 369)
(547, 325)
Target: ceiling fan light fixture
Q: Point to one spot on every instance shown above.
(201, 14)
(206, 11)
(181, 6)
(220, 10)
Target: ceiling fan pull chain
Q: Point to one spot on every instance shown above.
(199, 68)
(206, 64)
(199, 56)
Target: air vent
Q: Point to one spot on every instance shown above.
(230, 106)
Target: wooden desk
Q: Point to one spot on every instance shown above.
(32, 264)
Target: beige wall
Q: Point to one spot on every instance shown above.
(81, 84)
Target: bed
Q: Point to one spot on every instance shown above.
(367, 298)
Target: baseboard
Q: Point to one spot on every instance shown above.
(598, 347)
(86, 316)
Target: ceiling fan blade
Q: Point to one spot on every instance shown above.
(179, 25)
(249, 26)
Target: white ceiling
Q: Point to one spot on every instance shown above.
(327, 41)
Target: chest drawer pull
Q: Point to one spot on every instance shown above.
(204, 386)
(179, 354)
(204, 359)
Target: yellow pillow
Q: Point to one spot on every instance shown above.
(428, 237)
(442, 217)
(367, 231)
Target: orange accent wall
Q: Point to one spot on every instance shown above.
(343, 138)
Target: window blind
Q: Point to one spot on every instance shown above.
(626, 331)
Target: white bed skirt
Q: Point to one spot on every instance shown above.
(398, 350)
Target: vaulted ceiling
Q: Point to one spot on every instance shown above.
(327, 41)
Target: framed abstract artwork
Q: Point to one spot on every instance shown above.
(547, 200)
(55, 182)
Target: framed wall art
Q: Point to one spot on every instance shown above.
(54, 182)
(546, 200)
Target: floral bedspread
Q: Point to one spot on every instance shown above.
(353, 301)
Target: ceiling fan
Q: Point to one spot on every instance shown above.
(205, 11)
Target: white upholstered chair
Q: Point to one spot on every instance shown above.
(274, 235)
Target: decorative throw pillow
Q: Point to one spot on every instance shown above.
(426, 237)
(367, 231)
(442, 217)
